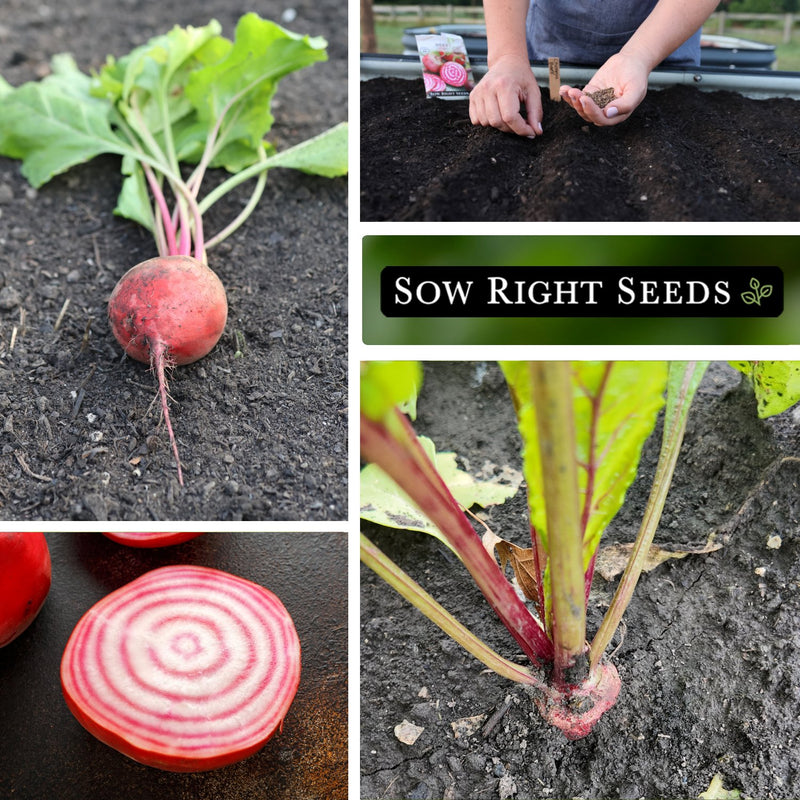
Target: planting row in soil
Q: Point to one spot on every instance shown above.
(685, 155)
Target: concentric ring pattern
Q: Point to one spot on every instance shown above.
(185, 668)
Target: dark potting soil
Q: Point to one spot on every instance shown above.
(261, 436)
(684, 155)
(709, 657)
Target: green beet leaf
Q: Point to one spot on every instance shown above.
(615, 406)
(388, 384)
(776, 384)
(384, 503)
(54, 124)
(242, 84)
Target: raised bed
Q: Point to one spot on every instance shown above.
(685, 155)
(715, 51)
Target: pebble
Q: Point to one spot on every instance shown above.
(6, 193)
(9, 298)
(50, 292)
(407, 732)
(774, 542)
(507, 787)
(475, 762)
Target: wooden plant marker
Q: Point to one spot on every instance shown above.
(554, 68)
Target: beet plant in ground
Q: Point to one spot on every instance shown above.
(179, 105)
(583, 425)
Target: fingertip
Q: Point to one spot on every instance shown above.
(611, 111)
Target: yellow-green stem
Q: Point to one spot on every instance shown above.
(674, 429)
(552, 397)
(408, 588)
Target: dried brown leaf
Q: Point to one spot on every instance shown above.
(611, 560)
(521, 560)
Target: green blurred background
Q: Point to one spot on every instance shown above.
(736, 252)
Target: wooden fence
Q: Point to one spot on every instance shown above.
(449, 13)
(789, 21)
(452, 14)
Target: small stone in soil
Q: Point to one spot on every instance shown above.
(602, 97)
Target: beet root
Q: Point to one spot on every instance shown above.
(168, 311)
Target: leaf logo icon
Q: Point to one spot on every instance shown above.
(758, 294)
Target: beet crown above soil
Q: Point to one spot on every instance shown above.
(684, 155)
(707, 661)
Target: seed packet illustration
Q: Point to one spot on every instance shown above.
(445, 65)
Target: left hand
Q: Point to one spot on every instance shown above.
(627, 74)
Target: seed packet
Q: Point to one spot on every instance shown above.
(445, 65)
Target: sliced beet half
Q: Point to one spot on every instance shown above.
(150, 539)
(184, 669)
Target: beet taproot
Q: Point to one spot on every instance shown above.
(168, 311)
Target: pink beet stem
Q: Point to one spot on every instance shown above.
(158, 358)
(166, 220)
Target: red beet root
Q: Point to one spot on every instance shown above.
(185, 668)
(577, 711)
(432, 61)
(24, 581)
(150, 539)
(168, 311)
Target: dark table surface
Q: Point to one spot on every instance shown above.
(45, 753)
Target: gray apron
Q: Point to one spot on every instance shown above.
(590, 31)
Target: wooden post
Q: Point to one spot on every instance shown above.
(554, 68)
(369, 42)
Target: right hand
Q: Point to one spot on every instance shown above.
(496, 99)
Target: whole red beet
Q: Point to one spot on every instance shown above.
(24, 581)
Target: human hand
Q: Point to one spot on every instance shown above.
(627, 75)
(496, 99)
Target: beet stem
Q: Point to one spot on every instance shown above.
(158, 358)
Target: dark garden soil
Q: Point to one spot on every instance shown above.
(684, 155)
(709, 662)
(262, 436)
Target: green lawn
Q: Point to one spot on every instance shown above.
(788, 54)
(390, 34)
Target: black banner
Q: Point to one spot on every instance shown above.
(581, 291)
